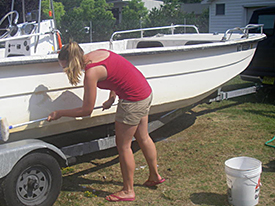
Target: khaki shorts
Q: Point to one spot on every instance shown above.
(131, 112)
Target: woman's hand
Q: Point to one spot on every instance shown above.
(54, 116)
(107, 104)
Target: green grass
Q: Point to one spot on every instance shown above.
(191, 157)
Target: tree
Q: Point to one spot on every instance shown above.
(58, 10)
(70, 4)
(169, 13)
(76, 23)
(133, 14)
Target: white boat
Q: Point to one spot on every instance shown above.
(182, 69)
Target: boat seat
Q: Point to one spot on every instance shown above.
(149, 44)
(197, 42)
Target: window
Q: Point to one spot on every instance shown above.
(268, 21)
(220, 9)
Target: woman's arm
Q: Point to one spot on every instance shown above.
(90, 89)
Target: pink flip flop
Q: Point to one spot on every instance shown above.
(118, 199)
(149, 183)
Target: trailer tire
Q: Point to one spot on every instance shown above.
(35, 180)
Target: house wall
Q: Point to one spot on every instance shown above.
(237, 13)
(150, 4)
(119, 4)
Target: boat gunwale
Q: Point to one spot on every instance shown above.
(135, 52)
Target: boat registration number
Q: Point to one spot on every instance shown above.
(269, 80)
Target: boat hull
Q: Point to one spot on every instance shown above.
(179, 77)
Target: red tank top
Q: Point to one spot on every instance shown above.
(123, 78)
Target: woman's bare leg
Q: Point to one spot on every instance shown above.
(124, 135)
(148, 148)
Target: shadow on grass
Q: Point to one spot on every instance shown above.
(205, 198)
(175, 126)
(269, 167)
(269, 114)
(74, 182)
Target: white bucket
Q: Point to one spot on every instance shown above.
(243, 176)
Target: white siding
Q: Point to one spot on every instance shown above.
(150, 4)
(237, 13)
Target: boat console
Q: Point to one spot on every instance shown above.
(31, 37)
(28, 41)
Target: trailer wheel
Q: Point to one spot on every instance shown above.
(35, 180)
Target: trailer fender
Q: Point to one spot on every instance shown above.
(11, 153)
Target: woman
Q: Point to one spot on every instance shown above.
(107, 70)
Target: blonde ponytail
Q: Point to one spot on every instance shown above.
(73, 54)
